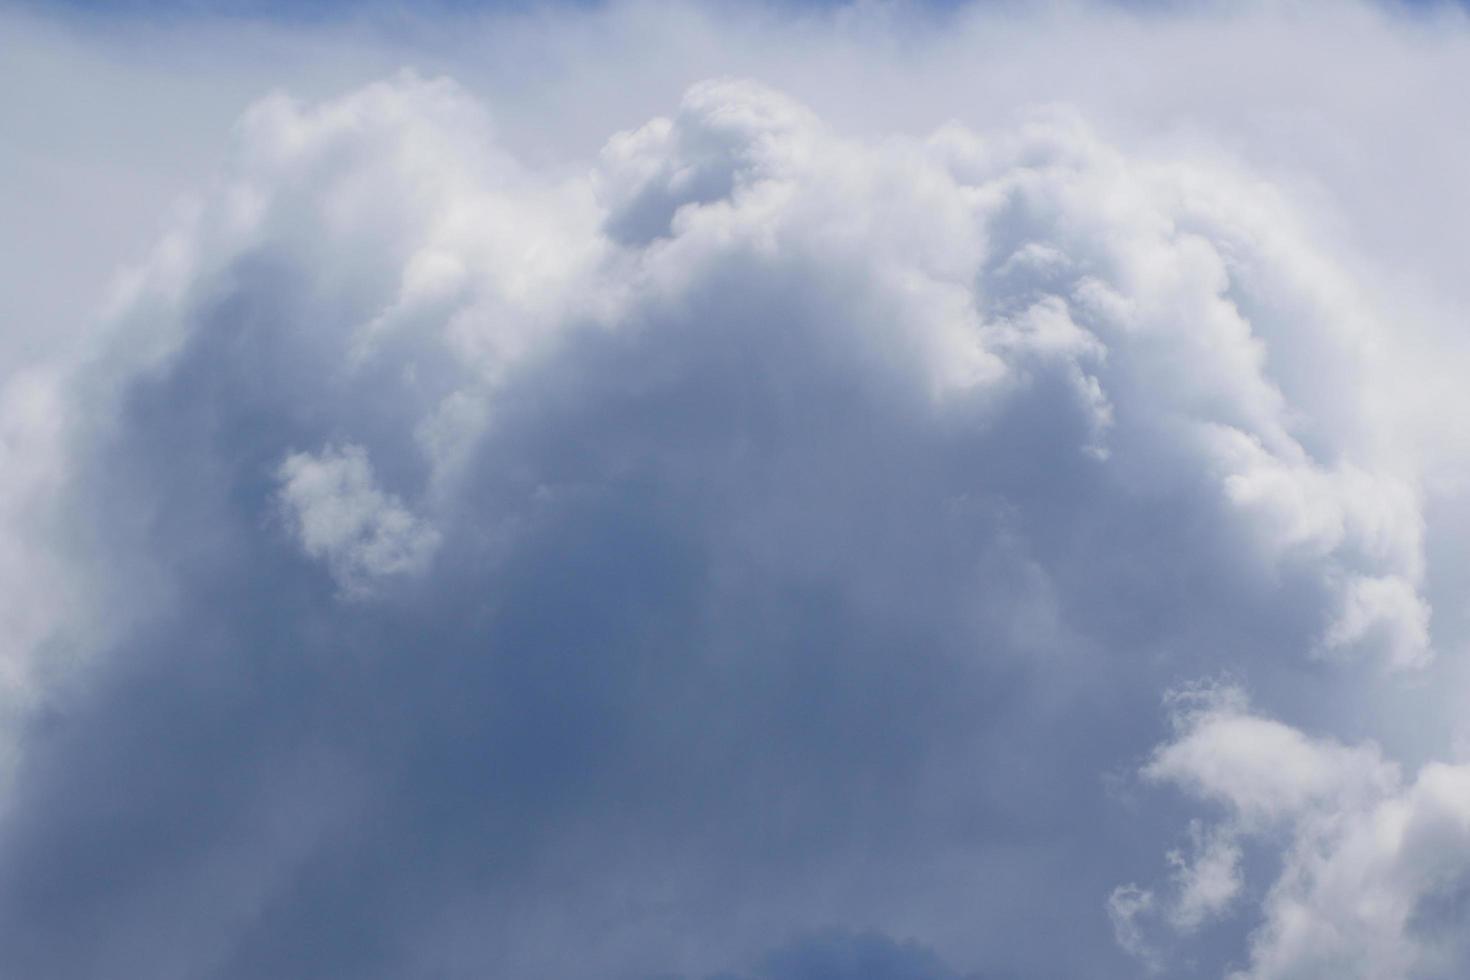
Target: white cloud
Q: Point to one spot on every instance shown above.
(1371, 882)
(1266, 772)
(989, 296)
(339, 515)
(1127, 904)
(792, 501)
(1208, 879)
(1387, 606)
(1374, 891)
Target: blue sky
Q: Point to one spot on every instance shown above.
(687, 491)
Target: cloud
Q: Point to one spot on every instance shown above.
(1265, 770)
(835, 955)
(340, 516)
(1126, 906)
(1369, 882)
(474, 541)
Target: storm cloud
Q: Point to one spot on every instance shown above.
(772, 548)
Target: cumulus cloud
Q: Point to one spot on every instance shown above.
(1371, 882)
(743, 550)
(340, 516)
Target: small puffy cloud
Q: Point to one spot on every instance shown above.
(1263, 770)
(335, 509)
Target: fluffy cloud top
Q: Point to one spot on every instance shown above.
(757, 551)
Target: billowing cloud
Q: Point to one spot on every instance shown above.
(1372, 877)
(755, 550)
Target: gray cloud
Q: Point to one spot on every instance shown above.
(759, 555)
(836, 955)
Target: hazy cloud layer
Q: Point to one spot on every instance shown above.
(774, 547)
